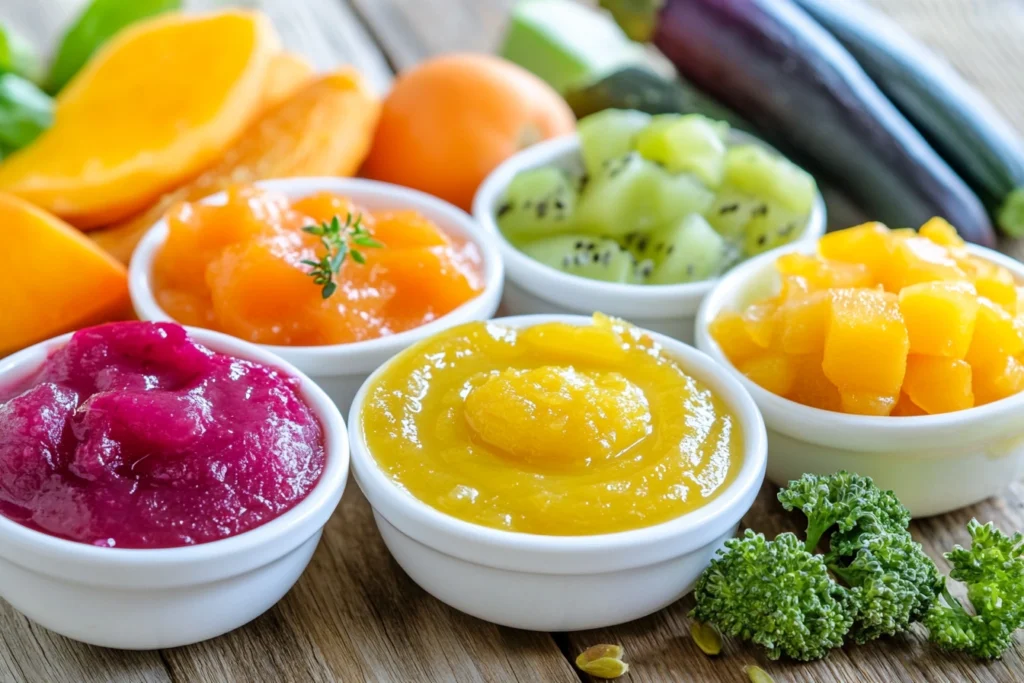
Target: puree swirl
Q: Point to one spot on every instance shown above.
(554, 429)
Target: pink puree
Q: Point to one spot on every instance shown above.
(134, 436)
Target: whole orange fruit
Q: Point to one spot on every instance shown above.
(450, 120)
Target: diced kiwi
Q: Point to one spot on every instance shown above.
(633, 194)
(753, 224)
(608, 135)
(686, 144)
(688, 251)
(583, 255)
(538, 203)
(759, 172)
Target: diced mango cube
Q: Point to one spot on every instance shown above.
(775, 372)
(939, 385)
(822, 274)
(906, 408)
(866, 244)
(996, 284)
(759, 320)
(729, 330)
(866, 403)
(916, 259)
(811, 387)
(997, 380)
(997, 334)
(866, 342)
(793, 286)
(802, 321)
(939, 317)
(939, 230)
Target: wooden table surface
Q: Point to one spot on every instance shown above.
(354, 615)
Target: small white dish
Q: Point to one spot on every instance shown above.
(150, 599)
(934, 463)
(341, 368)
(533, 287)
(563, 583)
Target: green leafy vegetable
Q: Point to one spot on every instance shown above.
(993, 570)
(25, 112)
(17, 55)
(775, 594)
(334, 237)
(95, 26)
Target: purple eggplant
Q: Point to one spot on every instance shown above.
(775, 66)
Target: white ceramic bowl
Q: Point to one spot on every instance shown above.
(149, 599)
(934, 463)
(339, 369)
(563, 583)
(532, 287)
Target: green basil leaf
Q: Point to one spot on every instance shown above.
(97, 24)
(25, 112)
(17, 55)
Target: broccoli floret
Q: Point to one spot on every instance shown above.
(845, 501)
(775, 594)
(993, 570)
(893, 583)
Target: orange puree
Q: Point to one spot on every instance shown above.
(553, 429)
(238, 268)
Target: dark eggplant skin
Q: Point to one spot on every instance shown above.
(963, 126)
(775, 66)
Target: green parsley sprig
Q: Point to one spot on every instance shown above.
(335, 237)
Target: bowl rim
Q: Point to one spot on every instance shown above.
(591, 554)
(615, 298)
(354, 357)
(119, 567)
(864, 433)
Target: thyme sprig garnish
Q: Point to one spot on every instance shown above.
(335, 237)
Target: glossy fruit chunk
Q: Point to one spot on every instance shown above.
(822, 274)
(916, 259)
(997, 334)
(866, 244)
(803, 322)
(866, 342)
(906, 408)
(730, 331)
(124, 132)
(867, 403)
(811, 387)
(54, 279)
(939, 385)
(324, 129)
(775, 372)
(998, 379)
(939, 317)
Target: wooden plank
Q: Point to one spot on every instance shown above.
(659, 647)
(356, 616)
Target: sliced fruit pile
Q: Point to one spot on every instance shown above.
(884, 322)
(662, 200)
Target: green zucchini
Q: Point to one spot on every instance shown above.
(966, 130)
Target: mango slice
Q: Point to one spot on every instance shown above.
(940, 317)
(866, 343)
(54, 279)
(939, 385)
(324, 129)
(156, 105)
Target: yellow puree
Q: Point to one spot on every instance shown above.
(553, 429)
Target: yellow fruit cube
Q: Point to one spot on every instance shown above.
(866, 244)
(793, 286)
(729, 330)
(802, 321)
(822, 274)
(906, 408)
(916, 259)
(867, 403)
(866, 342)
(939, 230)
(939, 317)
(997, 380)
(759, 319)
(997, 334)
(775, 372)
(996, 284)
(811, 387)
(939, 385)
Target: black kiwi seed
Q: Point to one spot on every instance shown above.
(668, 252)
(591, 246)
(630, 236)
(762, 240)
(504, 208)
(578, 245)
(659, 247)
(641, 244)
(728, 208)
(559, 204)
(761, 210)
(542, 209)
(596, 258)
